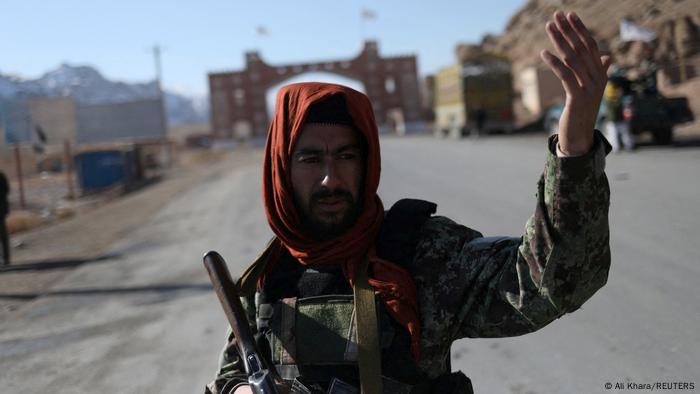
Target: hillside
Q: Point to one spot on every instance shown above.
(676, 23)
(667, 18)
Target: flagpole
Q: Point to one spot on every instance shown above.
(260, 31)
(362, 28)
(365, 15)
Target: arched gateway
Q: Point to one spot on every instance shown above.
(238, 98)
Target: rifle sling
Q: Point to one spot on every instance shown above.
(367, 333)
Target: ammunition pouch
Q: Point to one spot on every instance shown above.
(314, 336)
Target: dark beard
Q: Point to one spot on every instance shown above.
(322, 230)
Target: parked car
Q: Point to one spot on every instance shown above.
(553, 113)
(655, 114)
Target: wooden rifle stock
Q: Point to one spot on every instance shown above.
(259, 377)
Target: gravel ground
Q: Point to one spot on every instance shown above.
(49, 252)
(144, 319)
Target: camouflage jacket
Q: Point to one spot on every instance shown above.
(471, 286)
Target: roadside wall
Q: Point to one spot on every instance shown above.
(56, 116)
(111, 122)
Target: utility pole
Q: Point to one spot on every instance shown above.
(156, 56)
(161, 96)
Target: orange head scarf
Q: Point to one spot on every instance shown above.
(393, 284)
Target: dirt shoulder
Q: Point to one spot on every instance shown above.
(47, 253)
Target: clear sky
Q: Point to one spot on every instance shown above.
(202, 36)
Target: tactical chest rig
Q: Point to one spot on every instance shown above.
(305, 318)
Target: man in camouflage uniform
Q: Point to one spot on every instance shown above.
(460, 283)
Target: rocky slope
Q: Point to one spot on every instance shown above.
(676, 23)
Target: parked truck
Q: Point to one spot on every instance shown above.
(656, 114)
(466, 90)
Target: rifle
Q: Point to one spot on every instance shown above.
(260, 378)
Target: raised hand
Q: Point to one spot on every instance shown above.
(583, 73)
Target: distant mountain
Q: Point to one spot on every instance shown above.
(183, 110)
(87, 86)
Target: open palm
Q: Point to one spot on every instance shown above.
(583, 74)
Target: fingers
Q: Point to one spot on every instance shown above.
(575, 41)
(562, 71)
(567, 54)
(584, 34)
(577, 50)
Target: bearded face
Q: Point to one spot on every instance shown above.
(327, 172)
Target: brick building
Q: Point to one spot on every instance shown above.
(238, 98)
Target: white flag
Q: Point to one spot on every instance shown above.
(368, 14)
(632, 32)
(261, 30)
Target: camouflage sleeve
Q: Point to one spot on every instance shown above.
(470, 286)
(231, 369)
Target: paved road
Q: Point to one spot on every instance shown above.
(146, 322)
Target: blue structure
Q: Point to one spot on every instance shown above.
(101, 169)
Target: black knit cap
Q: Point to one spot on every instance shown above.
(330, 111)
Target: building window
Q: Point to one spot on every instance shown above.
(220, 100)
(390, 85)
(239, 97)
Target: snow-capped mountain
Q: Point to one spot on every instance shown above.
(87, 86)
